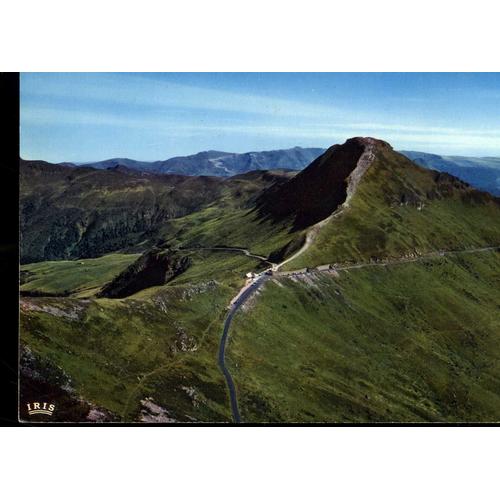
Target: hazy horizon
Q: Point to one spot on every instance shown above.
(95, 160)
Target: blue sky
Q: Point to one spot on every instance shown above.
(153, 116)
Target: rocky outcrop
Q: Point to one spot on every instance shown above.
(154, 268)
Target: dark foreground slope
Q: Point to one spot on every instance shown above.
(144, 358)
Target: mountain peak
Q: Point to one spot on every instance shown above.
(367, 141)
(314, 193)
(331, 180)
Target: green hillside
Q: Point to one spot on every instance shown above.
(64, 277)
(127, 279)
(413, 342)
(116, 353)
(398, 209)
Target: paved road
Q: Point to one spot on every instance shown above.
(222, 346)
(388, 262)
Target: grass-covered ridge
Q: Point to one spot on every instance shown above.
(399, 208)
(411, 342)
(64, 277)
(230, 226)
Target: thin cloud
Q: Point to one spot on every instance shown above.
(124, 107)
(140, 91)
(404, 134)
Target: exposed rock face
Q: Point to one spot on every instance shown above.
(325, 184)
(184, 342)
(71, 311)
(154, 268)
(364, 161)
(154, 413)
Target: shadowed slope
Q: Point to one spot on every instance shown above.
(154, 268)
(318, 190)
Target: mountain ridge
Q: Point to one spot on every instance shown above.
(398, 207)
(481, 172)
(213, 162)
(68, 213)
(87, 212)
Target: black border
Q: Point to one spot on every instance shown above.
(9, 266)
(9, 247)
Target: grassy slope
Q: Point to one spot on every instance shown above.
(83, 276)
(413, 342)
(118, 352)
(232, 219)
(377, 225)
(230, 226)
(227, 267)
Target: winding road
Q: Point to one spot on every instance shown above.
(244, 251)
(235, 305)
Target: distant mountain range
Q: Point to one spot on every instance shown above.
(219, 163)
(481, 172)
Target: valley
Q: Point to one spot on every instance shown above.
(370, 292)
